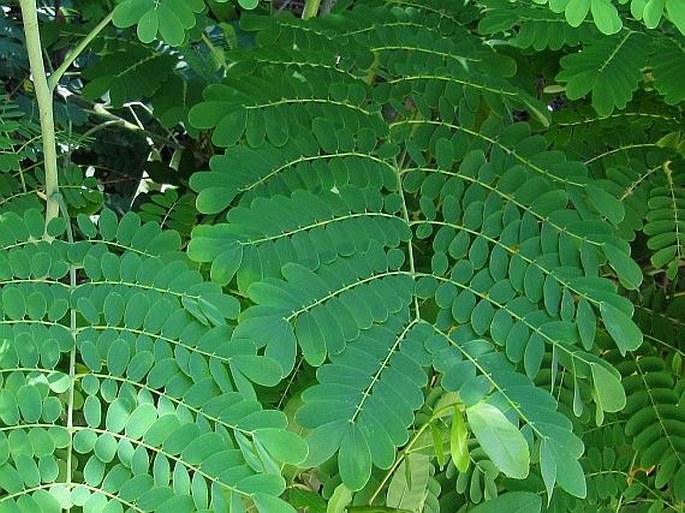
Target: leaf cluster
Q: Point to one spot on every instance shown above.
(373, 261)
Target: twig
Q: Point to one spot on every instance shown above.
(45, 107)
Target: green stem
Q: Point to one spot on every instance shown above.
(74, 54)
(72, 354)
(408, 449)
(311, 9)
(217, 53)
(44, 99)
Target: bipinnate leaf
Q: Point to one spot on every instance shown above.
(159, 378)
(603, 64)
(379, 227)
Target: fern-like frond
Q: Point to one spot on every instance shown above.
(656, 421)
(171, 211)
(322, 311)
(668, 63)
(308, 228)
(471, 368)
(609, 68)
(270, 106)
(666, 220)
(17, 131)
(618, 139)
(377, 221)
(130, 72)
(364, 411)
(535, 26)
(120, 375)
(641, 168)
(21, 179)
(298, 164)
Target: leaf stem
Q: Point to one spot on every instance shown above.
(405, 215)
(218, 53)
(311, 9)
(45, 107)
(72, 381)
(76, 52)
(437, 414)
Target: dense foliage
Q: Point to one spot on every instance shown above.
(407, 256)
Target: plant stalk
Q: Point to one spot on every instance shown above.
(311, 9)
(45, 107)
(74, 54)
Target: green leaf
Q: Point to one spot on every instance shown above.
(59, 382)
(611, 396)
(170, 26)
(118, 357)
(407, 488)
(605, 16)
(605, 203)
(576, 11)
(622, 329)
(147, 27)
(570, 476)
(13, 302)
(459, 437)
(30, 403)
(285, 446)
(676, 13)
(504, 444)
(140, 420)
(653, 13)
(341, 498)
(259, 369)
(444, 153)
(587, 323)
(92, 411)
(354, 459)
(129, 12)
(548, 468)
(627, 269)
